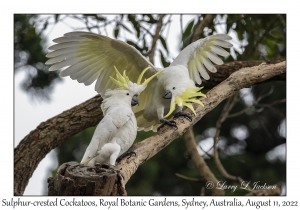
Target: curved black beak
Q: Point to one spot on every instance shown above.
(134, 100)
(168, 95)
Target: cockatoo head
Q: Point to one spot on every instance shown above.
(183, 95)
(133, 89)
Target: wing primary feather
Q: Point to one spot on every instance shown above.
(209, 65)
(87, 72)
(222, 43)
(220, 51)
(197, 78)
(66, 39)
(221, 36)
(214, 58)
(203, 72)
(64, 45)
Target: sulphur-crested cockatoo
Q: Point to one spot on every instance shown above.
(117, 130)
(90, 57)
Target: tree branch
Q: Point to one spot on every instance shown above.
(243, 78)
(199, 29)
(205, 173)
(51, 133)
(187, 178)
(155, 38)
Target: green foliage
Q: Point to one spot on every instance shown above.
(265, 35)
(258, 37)
(30, 57)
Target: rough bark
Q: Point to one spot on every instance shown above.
(77, 180)
(51, 133)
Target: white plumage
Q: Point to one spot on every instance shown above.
(90, 57)
(117, 130)
(115, 133)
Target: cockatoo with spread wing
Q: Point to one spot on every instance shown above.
(117, 130)
(90, 57)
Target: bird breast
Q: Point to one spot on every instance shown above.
(127, 134)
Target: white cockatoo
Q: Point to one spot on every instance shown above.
(90, 57)
(117, 130)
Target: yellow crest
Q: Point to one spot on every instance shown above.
(123, 80)
(187, 97)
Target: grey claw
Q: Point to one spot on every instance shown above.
(185, 115)
(164, 122)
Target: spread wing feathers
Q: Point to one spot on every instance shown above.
(200, 55)
(89, 57)
(107, 129)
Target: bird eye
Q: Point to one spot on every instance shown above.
(127, 94)
(173, 88)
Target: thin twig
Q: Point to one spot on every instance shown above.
(255, 103)
(155, 38)
(187, 178)
(206, 152)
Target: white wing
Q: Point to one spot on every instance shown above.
(106, 130)
(92, 57)
(198, 55)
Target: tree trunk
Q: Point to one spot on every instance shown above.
(75, 179)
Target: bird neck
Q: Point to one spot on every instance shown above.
(114, 101)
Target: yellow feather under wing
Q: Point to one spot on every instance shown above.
(203, 52)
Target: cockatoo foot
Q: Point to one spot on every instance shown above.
(181, 113)
(164, 122)
(125, 154)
